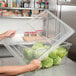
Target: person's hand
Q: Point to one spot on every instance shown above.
(35, 64)
(9, 33)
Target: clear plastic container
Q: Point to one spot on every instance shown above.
(26, 53)
(67, 46)
(55, 33)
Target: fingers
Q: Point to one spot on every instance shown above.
(36, 63)
(10, 33)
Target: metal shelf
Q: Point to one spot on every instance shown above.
(16, 17)
(16, 8)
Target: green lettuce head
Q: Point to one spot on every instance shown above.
(47, 62)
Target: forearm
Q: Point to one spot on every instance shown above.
(16, 70)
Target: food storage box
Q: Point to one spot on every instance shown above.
(26, 53)
(54, 33)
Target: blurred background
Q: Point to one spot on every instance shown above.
(67, 13)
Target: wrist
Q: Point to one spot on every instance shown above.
(33, 67)
(29, 67)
